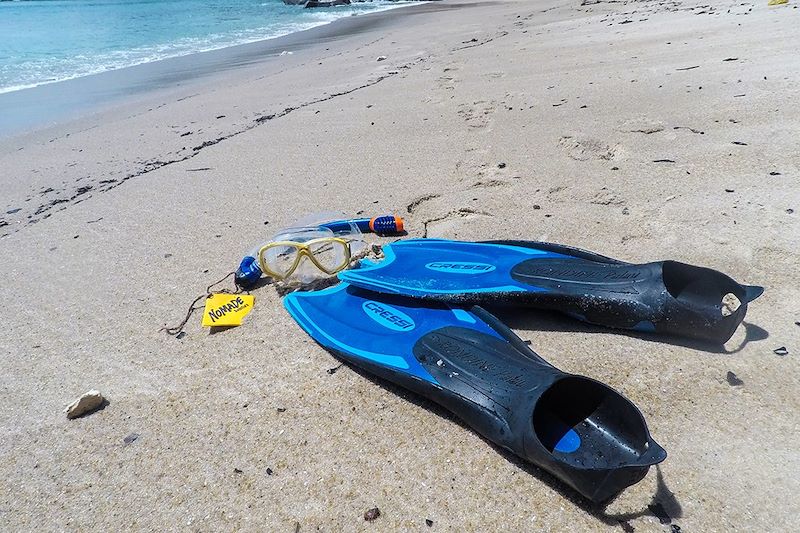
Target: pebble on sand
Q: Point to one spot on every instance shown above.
(381, 58)
(372, 514)
(88, 402)
(733, 379)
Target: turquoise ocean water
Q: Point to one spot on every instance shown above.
(43, 41)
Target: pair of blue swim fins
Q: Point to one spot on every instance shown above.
(415, 319)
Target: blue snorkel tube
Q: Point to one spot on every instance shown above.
(384, 226)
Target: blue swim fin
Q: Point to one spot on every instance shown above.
(663, 297)
(581, 431)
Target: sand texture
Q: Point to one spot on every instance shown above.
(642, 130)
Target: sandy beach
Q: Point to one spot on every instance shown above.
(641, 130)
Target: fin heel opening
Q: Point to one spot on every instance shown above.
(578, 414)
(703, 288)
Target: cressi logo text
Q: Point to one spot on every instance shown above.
(460, 267)
(387, 316)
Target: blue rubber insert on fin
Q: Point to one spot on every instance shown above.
(464, 268)
(569, 443)
(664, 297)
(467, 361)
(352, 322)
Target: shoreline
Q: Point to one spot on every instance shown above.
(73, 98)
(193, 52)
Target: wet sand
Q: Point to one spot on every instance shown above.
(639, 130)
(56, 103)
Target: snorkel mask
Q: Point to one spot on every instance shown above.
(302, 253)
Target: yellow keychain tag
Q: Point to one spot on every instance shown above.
(224, 309)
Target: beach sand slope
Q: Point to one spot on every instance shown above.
(642, 130)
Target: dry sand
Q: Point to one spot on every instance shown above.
(153, 200)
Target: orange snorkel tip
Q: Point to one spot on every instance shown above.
(386, 225)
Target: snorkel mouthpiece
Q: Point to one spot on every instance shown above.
(248, 272)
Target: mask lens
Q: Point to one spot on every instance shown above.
(332, 255)
(280, 259)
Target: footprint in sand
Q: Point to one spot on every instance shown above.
(634, 236)
(447, 83)
(606, 196)
(489, 184)
(641, 125)
(587, 148)
(453, 223)
(477, 114)
(410, 208)
(488, 176)
(448, 80)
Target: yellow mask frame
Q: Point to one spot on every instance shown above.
(303, 249)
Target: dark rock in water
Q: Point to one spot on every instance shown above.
(324, 3)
